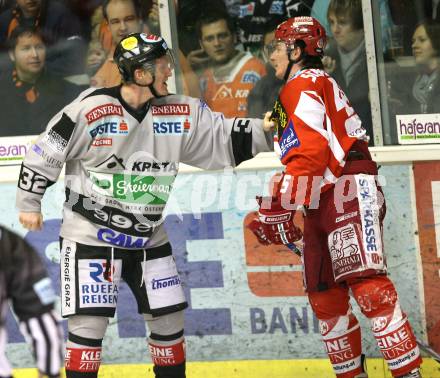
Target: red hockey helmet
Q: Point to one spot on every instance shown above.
(306, 29)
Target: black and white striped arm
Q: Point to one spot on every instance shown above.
(45, 335)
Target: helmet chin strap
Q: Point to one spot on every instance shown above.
(152, 89)
(149, 86)
(291, 63)
(289, 67)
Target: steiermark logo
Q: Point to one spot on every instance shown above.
(152, 190)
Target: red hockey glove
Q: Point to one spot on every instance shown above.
(275, 225)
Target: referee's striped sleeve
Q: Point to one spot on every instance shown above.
(45, 335)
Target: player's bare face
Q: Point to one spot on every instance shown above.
(122, 19)
(29, 57)
(423, 51)
(346, 37)
(279, 59)
(163, 70)
(218, 41)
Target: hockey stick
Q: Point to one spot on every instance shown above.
(427, 349)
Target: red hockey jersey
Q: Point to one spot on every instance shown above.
(316, 129)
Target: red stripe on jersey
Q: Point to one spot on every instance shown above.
(326, 127)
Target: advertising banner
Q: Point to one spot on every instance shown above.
(418, 128)
(13, 149)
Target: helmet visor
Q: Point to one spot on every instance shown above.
(165, 62)
(269, 48)
(275, 45)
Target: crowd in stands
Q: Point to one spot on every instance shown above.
(54, 49)
(31, 93)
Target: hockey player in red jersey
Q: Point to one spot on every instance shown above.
(329, 171)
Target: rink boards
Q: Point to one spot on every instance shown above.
(247, 302)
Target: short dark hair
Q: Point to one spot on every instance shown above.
(350, 8)
(309, 61)
(136, 5)
(211, 17)
(433, 31)
(21, 30)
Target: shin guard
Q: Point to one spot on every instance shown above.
(378, 301)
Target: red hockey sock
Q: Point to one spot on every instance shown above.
(167, 355)
(397, 343)
(340, 330)
(82, 362)
(342, 339)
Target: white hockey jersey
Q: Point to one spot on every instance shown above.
(121, 163)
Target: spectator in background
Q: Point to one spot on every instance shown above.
(262, 97)
(122, 18)
(409, 13)
(320, 9)
(101, 28)
(61, 28)
(95, 58)
(254, 16)
(426, 51)
(30, 94)
(232, 73)
(25, 283)
(423, 96)
(346, 59)
(188, 11)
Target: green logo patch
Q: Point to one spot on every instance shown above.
(152, 190)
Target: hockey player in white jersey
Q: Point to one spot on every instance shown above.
(121, 147)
